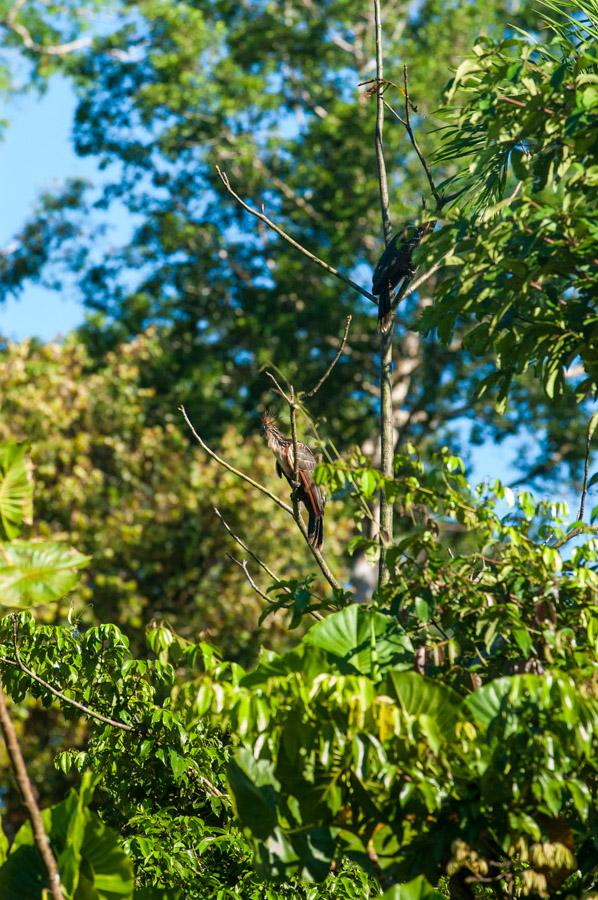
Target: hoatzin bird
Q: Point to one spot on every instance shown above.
(307, 490)
(394, 265)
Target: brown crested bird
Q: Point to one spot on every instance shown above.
(308, 492)
(396, 264)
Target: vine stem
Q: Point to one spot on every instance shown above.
(26, 788)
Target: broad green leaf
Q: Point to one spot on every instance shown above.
(486, 703)
(363, 640)
(253, 787)
(37, 572)
(3, 844)
(16, 488)
(420, 696)
(91, 862)
(418, 889)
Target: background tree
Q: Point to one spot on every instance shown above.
(270, 93)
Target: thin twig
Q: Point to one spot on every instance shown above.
(256, 588)
(232, 469)
(26, 788)
(92, 713)
(290, 240)
(248, 550)
(385, 532)
(415, 145)
(243, 565)
(328, 371)
(575, 532)
(278, 388)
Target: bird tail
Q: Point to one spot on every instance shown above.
(315, 528)
(385, 315)
(314, 502)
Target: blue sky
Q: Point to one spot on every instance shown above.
(36, 154)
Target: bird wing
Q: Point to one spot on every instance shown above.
(313, 493)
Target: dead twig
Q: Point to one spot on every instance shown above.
(237, 472)
(290, 240)
(424, 164)
(245, 570)
(247, 549)
(328, 372)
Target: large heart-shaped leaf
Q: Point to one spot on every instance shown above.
(362, 640)
(16, 488)
(419, 696)
(37, 572)
(418, 889)
(487, 702)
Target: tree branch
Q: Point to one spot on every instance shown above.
(327, 373)
(247, 549)
(10, 22)
(290, 240)
(326, 572)
(415, 145)
(26, 788)
(586, 470)
(237, 472)
(18, 663)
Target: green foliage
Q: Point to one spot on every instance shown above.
(139, 496)
(520, 272)
(90, 860)
(36, 572)
(272, 98)
(438, 736)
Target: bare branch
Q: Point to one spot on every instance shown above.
(328, 371)
(271, 224)
(232, 469)
(243, 567)
(26, 788)
(278, 388)
(256, 558)
(415, 145)
(247, 549)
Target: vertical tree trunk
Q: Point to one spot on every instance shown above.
(386, 415)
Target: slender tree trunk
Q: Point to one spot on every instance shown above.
(26, 788)
(386, 415)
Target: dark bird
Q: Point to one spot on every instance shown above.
(308, 492)
(396, 264)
